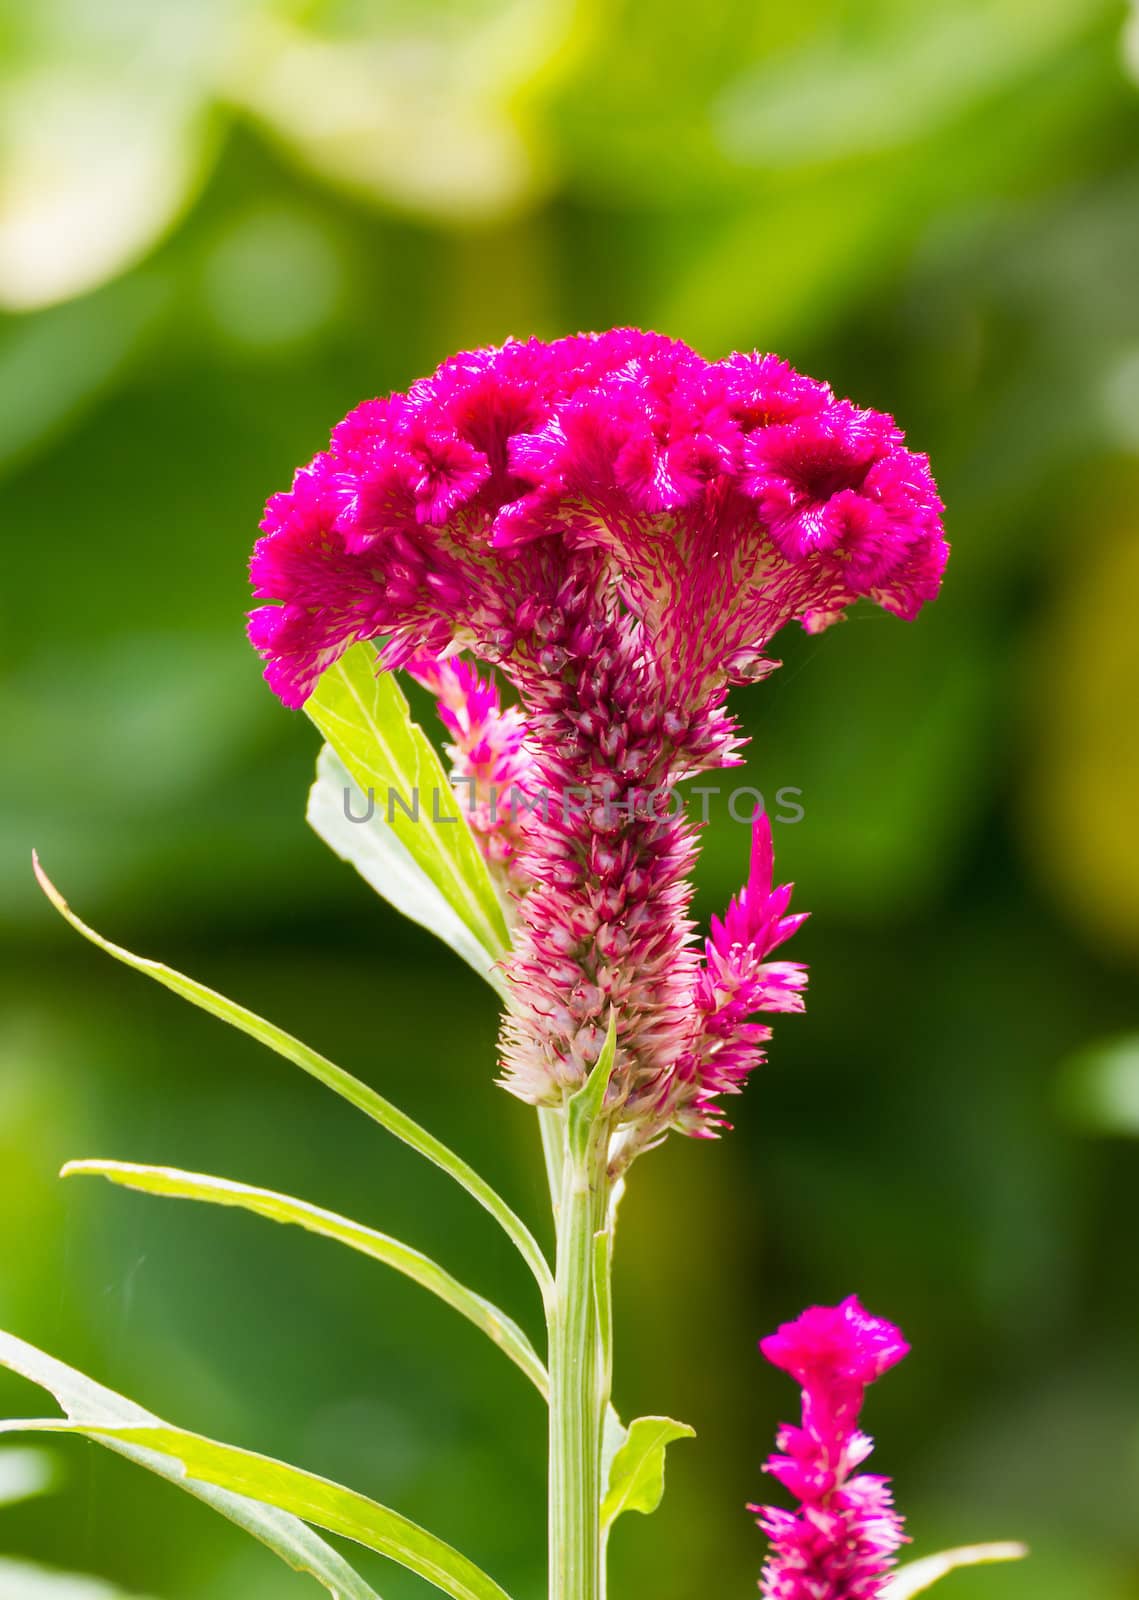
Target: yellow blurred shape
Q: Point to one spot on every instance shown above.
(1082, 799)
(431, 118)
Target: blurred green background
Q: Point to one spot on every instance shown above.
(224, 222)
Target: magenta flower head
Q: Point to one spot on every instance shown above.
(841, 1542)
(620, 528)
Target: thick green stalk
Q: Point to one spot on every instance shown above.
(603, 1295)
(579, 1376)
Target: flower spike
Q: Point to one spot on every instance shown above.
(841, 1542)
(621, 528)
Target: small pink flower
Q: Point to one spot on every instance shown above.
(841, 1542)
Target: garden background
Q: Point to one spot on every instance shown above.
(222, 225)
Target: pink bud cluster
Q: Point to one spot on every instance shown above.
(841, 1542)
(620, 527)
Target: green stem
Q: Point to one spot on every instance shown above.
(603, 1295)
(551, 1124)
(579, 1371)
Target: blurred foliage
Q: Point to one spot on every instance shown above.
(24, 1473)
(222, 223)
(1100, 1086)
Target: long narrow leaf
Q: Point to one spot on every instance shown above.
(365, 717)
(918, 1576)
(366, 842)
(170, 1182)
(317, 1066)
(299, 1493)
(296, 1544)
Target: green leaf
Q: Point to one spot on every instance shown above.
(387, 865)
(636, 1475)
(364, 715)
(333, 1077)
(24, 1580)
(296, 1492)
(168, 1181)
(300, 1547)
(917, 1576)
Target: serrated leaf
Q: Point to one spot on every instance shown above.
(285, 1535)
(636, 1475)
(917, 1576)
(170, 1182)
(296, 1493)
(324, 1071)
(386, 864)
(365, 717)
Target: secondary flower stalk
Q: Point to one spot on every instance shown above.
(841, 1542)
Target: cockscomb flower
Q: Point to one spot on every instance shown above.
(621, 528)
(841, 1542)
